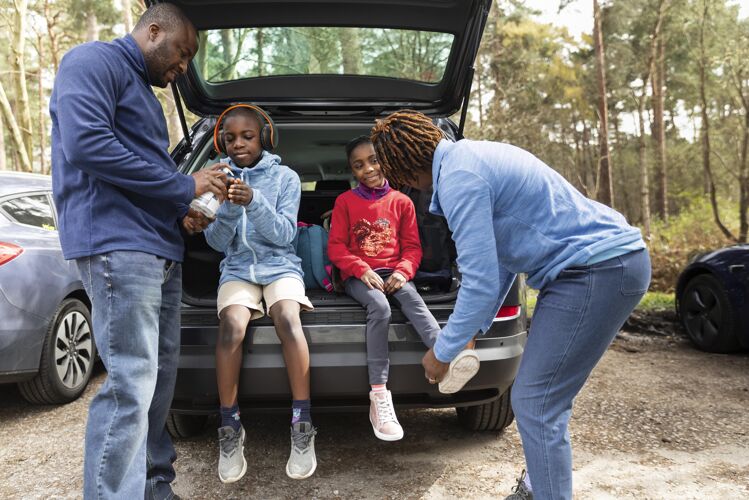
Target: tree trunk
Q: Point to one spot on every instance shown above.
(744, 178)
(605, 185)
(706, 126)
(42, 110)
(659, 132)
(229, 48)
(260, 47)
(18, 66)
(3, 158)
(644, 174)
(92, 26)
(54, 42)
(23, 162)
(350, 51)
(127, 15)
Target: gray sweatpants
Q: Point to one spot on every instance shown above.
(378, 323)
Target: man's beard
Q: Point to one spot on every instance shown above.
(157, 63)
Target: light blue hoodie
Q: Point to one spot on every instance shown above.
(257, 239)
(511, 213)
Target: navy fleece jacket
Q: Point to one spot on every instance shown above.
(114, 184)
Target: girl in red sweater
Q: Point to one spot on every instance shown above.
(374, 242)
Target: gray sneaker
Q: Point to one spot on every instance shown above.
(520, 491)
(302, 461)
(231, 463)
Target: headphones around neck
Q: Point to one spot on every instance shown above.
(268, 132)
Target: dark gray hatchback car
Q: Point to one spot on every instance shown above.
(325, 71)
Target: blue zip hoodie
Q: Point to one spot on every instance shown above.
(511, 213)
(114, 184)
(257, 239)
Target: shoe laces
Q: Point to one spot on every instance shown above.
(385, 410)
(229, 443)
(519, 491)
(301, 439)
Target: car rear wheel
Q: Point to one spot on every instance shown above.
(180, 425)
(68, 357)
(494, 416)
(708, 316)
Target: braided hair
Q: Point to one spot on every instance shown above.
(404, 143)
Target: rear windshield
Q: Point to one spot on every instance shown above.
(234, 54)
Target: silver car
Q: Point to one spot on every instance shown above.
(46, 342)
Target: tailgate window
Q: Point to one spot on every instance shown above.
(234, 54)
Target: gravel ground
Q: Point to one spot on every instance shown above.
(658, 419)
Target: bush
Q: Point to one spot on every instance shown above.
(690, 232)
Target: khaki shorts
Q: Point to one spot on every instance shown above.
(251, 295)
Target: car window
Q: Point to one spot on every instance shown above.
(234, 54)
(34, 210)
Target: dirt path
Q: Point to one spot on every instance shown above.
(657, 419)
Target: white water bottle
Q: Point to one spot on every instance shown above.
(207, 203)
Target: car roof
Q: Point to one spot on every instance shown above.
(19, 182)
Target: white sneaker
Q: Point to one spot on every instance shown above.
(232, 465)
(302, 460)
(382, 416)
(462, 369)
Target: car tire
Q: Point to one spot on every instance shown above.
(494, 416)
(180, 425)
(708, 316)
(68, 357)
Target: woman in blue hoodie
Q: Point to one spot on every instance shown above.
(255, 228)
(510, 213)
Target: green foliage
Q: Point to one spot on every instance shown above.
(690, 232)
(657, 301)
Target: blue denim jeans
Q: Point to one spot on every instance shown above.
(135, 299)
(576, 318)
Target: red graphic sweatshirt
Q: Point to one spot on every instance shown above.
(374, 234)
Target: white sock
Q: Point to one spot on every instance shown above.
(527, 482)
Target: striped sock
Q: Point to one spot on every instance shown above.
(379, 388)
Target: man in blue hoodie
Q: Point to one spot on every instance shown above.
(510, 213)
(120, 203)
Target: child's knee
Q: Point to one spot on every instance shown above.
(232, 328)
(379, 308)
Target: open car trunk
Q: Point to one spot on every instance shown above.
(316, 152)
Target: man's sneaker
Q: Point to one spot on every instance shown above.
(231, 463)
(302, 461)
(520, 491)
(461, 370)
(382, 416)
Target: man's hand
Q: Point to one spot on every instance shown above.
(211, 179)
(239, 192)
(434, 369)
(394, 283)
(195, 222)
(372, 280)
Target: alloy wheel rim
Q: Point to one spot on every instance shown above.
(73, 350)
(704, 314)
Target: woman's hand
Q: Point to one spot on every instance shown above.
(372, 280)
(239, 192)
(434, 369)
(394, 283)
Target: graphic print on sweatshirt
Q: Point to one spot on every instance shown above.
(372, 237)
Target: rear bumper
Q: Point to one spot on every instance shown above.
(338, 367)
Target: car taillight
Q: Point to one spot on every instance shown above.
(507, 313)
(8, 252)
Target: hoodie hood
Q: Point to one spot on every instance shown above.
(133, 56)
(266, 163)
